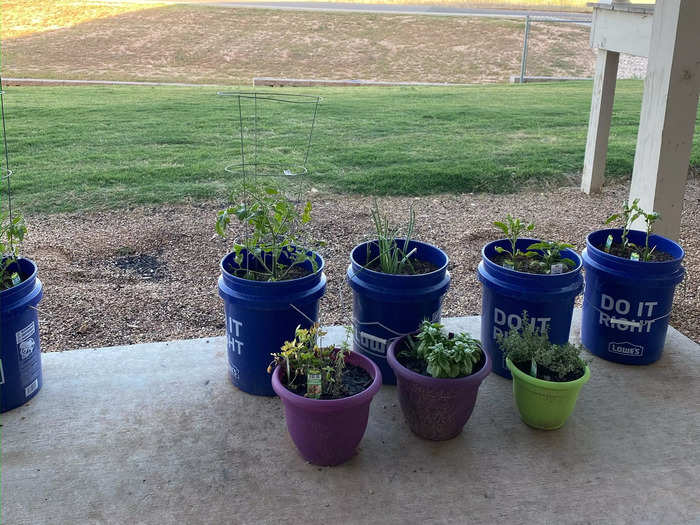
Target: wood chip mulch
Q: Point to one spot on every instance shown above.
(150, 273)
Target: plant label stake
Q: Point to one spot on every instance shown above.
(608, 243)
(313, 383)
(556, 269)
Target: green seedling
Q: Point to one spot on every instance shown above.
(551, 253)
(394, 256)
(274, 241)
(305, 359)
(512, 228)
(629, 214)
(12, 232)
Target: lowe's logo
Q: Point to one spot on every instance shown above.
(626, 349)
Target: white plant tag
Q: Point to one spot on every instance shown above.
(556, 268)
(608, 243)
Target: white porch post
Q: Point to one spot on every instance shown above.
(669, 110)
(599, 121)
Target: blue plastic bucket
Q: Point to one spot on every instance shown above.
(627, 303)
(386, 306)
(548, 299)
(260, 318)
(20, 353)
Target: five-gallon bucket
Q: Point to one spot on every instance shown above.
(387, 306)
(20, 353)
(548, 299)
(627, 303)
(261, 316)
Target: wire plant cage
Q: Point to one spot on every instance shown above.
(274, 134)
(6, 212)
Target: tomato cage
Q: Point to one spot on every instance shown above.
(274, 134)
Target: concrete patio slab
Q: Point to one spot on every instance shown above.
(155, 433)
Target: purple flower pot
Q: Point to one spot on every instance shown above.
(327, 431)
(436, 408)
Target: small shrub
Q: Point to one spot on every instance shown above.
(532, 352)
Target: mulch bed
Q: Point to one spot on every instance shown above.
(149, 273)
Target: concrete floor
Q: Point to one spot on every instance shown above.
(155, 433)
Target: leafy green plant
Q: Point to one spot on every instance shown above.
(12, 232)
(303, 355)
(532, 352)
(392, 258)
(445, 356)
(629, 214)
(551, 253)
(512, 228)
(274, 242)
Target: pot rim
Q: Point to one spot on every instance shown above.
(235, 278)
(641, 264)
(549, 385)
(442, 268)
(577, 269)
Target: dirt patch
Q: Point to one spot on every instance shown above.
(90, 302)
(232, 46)
(144, 265)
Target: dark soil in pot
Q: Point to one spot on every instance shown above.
(296, 272)
(355, 380)
(620, 250)
(529, 264)
(417, 267)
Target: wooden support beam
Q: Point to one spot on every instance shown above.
(599, 121)
(669, 110)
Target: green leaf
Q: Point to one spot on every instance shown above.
(501, 226)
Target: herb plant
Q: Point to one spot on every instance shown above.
(512, 228)
(303, 356)
(444, 355)
(629, 214)
(274, 242)
(12, 233)
(532, 352)
(392, 258)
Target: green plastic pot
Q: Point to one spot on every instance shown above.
(545, 404)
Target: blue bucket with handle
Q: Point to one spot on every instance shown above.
(20, 353)
(627, 304)
(386, 306)
(262, 315)
(548, 299)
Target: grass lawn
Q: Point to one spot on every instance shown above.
(76, 148)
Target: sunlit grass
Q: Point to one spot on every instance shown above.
(25, 17)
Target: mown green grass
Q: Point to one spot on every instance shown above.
(78, 148)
